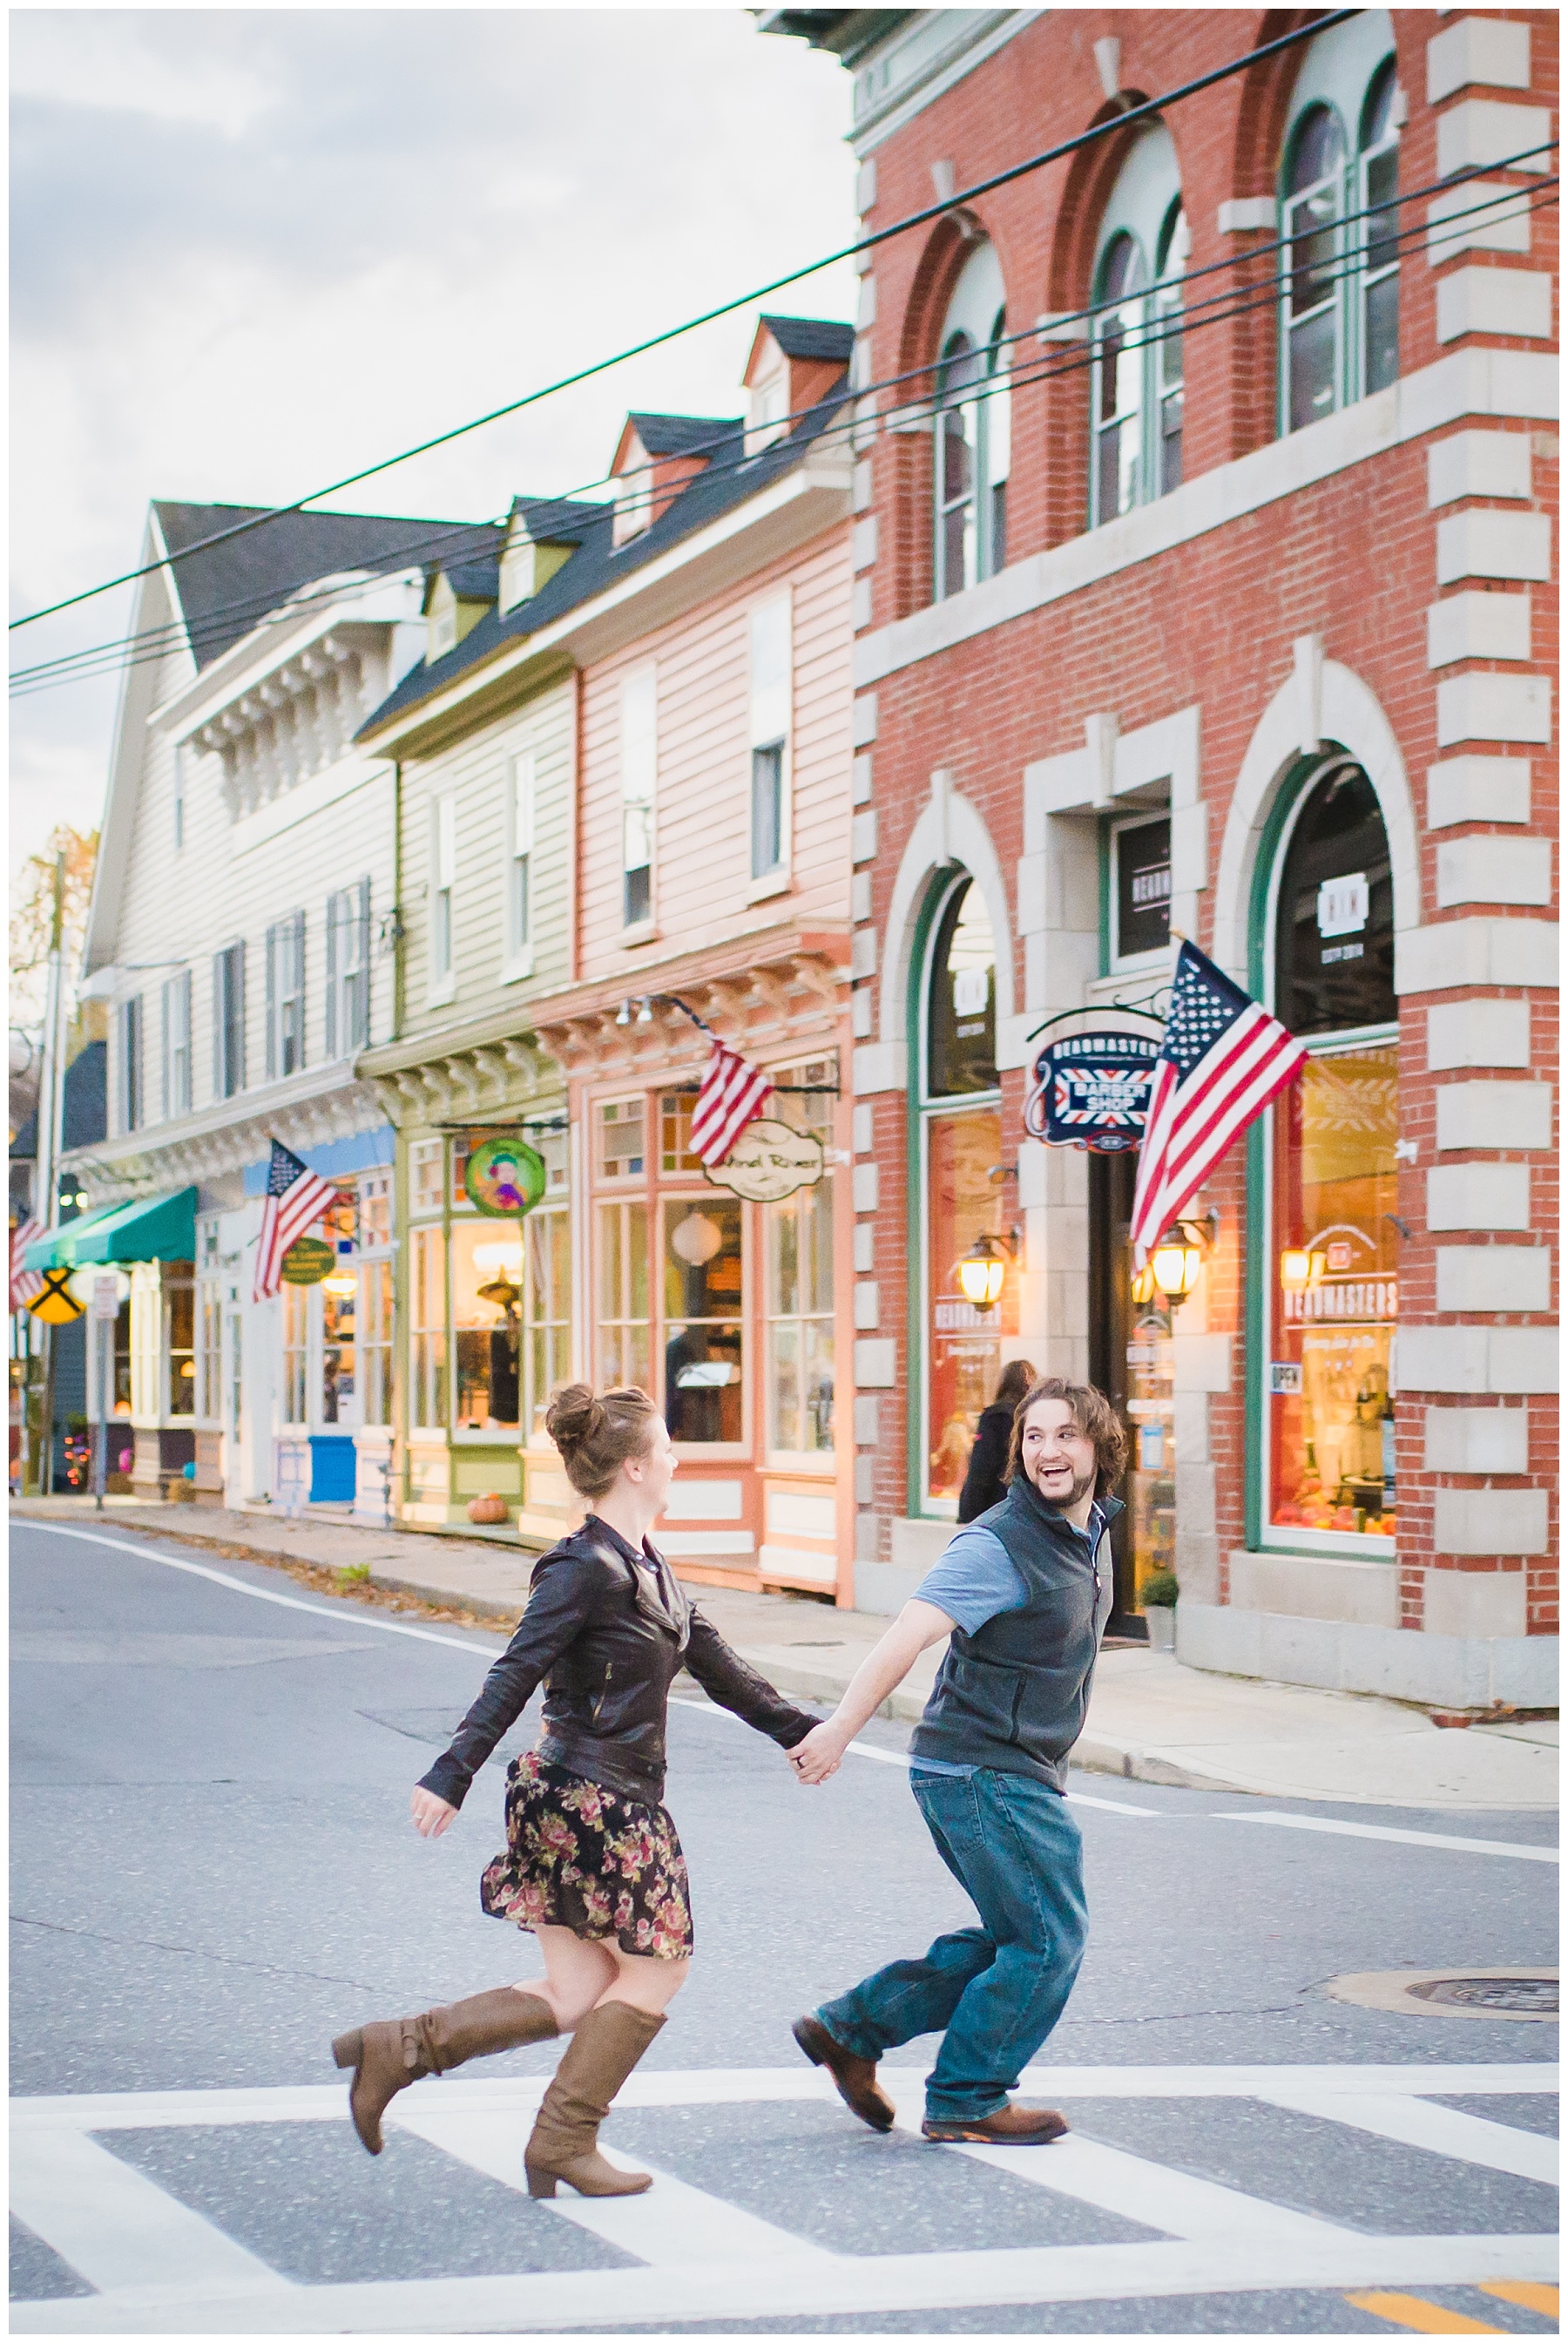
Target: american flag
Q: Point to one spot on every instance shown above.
(295, 1199)
(1222, 1059)
(732, 1095)
(26, 1284)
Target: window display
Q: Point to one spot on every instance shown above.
(963, 1349)
(1336, 1297)
(704, 1297)
(623, 1296)
(486, 1298)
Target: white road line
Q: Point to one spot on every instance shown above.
(118, 2229)
(1442, 2131)
(674, 2226)
(257, 1594)
(607, 2301)
(1403, 1837)
(730, 2085)
(1117, 1805)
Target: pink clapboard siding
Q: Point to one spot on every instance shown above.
(702, 867)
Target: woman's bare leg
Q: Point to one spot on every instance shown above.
(647, 1983)
(577, 1974)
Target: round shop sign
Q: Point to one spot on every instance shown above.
(770, 1161)
(505, 1177)
(308, 1260)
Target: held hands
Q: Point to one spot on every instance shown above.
(819, 1755)
(431, 1814)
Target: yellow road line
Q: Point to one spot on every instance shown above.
(1424, 2317)
(1529, 2296)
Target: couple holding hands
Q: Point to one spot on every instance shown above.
(593, 1866)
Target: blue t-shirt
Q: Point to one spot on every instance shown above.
(977, 1580)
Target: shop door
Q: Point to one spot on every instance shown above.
(1131, 1361)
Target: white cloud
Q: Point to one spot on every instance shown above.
(257, 250)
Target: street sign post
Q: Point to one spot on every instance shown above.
(105, 1310)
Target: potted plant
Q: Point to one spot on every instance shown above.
(1158, 1597)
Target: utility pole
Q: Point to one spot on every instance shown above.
(51, 1116)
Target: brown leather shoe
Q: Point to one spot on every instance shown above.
(1010, 2127)
(392, 2053)
(855, 2079)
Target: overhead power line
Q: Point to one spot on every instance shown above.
(155, 643)
(1116, 123)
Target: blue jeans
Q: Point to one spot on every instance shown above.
(993, 1992)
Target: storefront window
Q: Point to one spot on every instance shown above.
(428, 1334)
(620, 1140)
(624, 1352)
(296, 1301)
(338, 1329)
(209, 1351)
(487, 1299)
(425, 1161)
(797, 1237)
(1336, 1296)
(375, 1341)
(961, 1022)
(964, 1197)
(179, 1336)
(704, 1301)
(1333, 1263)
(676, 1109)
(548, 1252)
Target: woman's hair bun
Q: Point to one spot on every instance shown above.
(573, 1416)
(597, 1435)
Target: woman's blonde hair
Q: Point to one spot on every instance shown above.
(596, 1436)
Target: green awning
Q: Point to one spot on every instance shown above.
(152, 1228)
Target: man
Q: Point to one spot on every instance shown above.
(1025, 1592)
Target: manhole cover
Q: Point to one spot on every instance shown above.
(1514, 1995)
(1525, 1996)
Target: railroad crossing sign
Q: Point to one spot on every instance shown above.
(54, 1302)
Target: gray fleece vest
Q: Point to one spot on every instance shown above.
(1014, 1696)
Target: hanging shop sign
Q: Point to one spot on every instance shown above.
(1093, 1090)
(505, 1177)
(769, 1162)
(308, 1260)
(54, 1303)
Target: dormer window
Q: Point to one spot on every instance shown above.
(454, 602)
(633, 494)
(794, 363)
(768, 405)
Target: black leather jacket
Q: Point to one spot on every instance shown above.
(607, 1630)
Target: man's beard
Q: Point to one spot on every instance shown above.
(1075, 1495)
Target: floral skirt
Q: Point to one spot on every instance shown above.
(582, 1857)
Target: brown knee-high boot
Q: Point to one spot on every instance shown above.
(388, 2056)
(564, 2145)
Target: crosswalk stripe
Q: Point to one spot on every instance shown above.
(119, 2230)
(1421, 2317)
(726, 2086)
(605, 2301)
(1442, 2131)
(674, 2226)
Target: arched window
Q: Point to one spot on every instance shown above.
(973, 431)
(1339, 223)
(1333, 1249)
(1136, 334)
(964, 1195)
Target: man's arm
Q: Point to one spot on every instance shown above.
(918, 1627)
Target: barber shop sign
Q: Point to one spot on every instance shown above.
(1093, 1090)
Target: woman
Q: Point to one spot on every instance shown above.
(985, 1483)
(592, 1866)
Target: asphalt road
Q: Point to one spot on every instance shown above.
(212, 1871)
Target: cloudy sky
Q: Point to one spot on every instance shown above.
(255, 250)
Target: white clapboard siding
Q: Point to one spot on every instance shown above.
(477, 770)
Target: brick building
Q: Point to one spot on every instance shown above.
(1202, 561)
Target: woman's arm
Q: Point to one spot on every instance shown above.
(726, 1678)
(562, 1596)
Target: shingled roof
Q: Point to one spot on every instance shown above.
(728, 479)
(811, 337)
(230, 588)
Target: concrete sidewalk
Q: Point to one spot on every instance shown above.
(1151, 1719)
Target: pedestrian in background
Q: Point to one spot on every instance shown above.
(1024, 1593)
(985, 1483)
(592, 1865)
